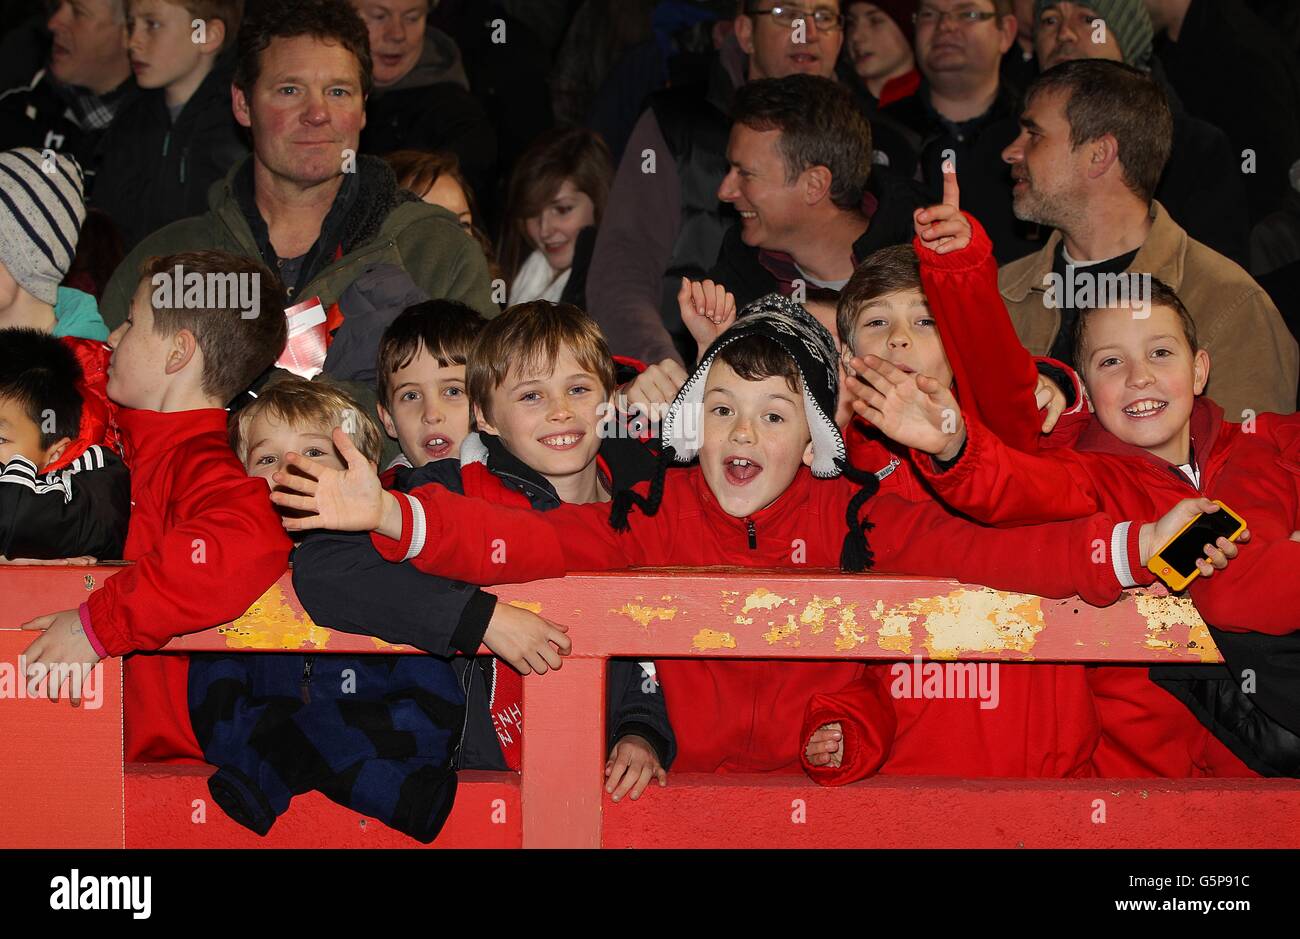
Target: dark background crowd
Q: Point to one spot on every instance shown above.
(583, 145)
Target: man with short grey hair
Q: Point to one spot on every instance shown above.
(68, 105)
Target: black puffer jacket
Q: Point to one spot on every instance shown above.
(155, 171)
(1251, 703)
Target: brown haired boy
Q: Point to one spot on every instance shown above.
(205, 541)
(167, 148)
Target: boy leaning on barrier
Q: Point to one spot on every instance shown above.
(1149, 437)
(1045, 722)
(539, 381)
(767, 492)
(276, 726)
(204, 539)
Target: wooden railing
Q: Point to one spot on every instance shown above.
(63, 782)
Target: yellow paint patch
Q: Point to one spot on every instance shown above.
(895, 633)
(271, 623)
(711, 639)
(849, 634)
(814, 614)
(532, 606)
(781, 631)
(1162, 614)
(642, 615)
(979, 621)
(764, 599)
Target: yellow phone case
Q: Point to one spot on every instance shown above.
(1162, 569)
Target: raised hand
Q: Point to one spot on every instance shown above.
(1051, 400)
(707, 309)
(339, 500)
(942, 228)
(914, 410)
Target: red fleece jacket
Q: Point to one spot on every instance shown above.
(749, 717)
(1257, 474)
(1045, 722)
(206, 543)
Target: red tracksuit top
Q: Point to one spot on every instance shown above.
(1046, 723)
(747, 717)
(206, 543)
(1145, 730)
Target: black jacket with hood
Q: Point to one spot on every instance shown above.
(430, 108)
(343, 583)
(156, 170)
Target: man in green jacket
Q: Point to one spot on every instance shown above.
(304, 202)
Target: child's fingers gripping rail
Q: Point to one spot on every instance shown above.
(632, 764)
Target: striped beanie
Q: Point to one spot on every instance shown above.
(1128, 20)
(42, 206)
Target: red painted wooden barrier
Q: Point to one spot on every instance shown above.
(558, 801)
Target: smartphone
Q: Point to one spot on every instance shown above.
(1175, 563)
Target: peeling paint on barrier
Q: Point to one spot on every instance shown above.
(712, 639)
(1162, 614)
(781, 631)
(271, 623)
(642, 615)
(764, 599)
(895, 633)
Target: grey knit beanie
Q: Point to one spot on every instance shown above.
(42, 206)
(1128, 20)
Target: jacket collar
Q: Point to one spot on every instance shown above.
(149, 434)
(1206, 426)
(1161, 255)
(789, 502)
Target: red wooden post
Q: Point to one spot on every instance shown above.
(61, 767)
(564, 755)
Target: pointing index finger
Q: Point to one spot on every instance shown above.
(951, 191)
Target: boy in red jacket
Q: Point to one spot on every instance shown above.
(205, 541)
(757, 412)
(1150, 440)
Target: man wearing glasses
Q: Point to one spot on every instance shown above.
(664, 219)
(963, 110)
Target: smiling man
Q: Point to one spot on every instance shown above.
(70, 104)
(1095, 136)
(304, 202)
(665, 223)
(1201, 185)
(799, 159)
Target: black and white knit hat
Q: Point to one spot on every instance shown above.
(795, 330)
(42, 206)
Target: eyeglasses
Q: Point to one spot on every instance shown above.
(928, 16)
(824, 17)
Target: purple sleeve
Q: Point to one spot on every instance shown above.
(634, 246)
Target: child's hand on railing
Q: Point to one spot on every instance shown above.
(525, 641)
(631, 765)
(338, 500)
(1155, 535)
(61, 653)
(914, 410)
(826, 745)
(942, 228)
(707, 309)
